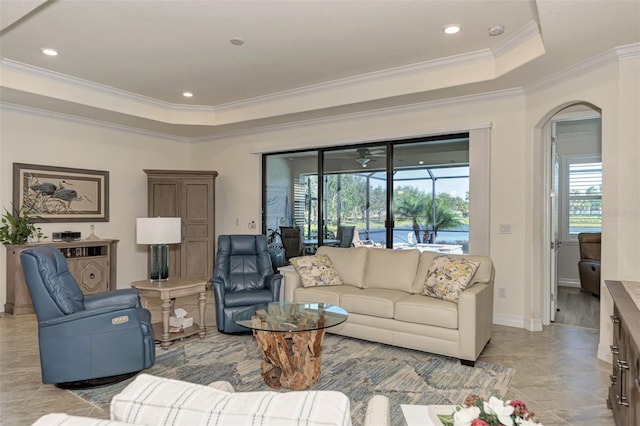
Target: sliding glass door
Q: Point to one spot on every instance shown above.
(398, 194)
(354, 195)
(431, 195)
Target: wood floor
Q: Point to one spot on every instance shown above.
(557, 374)
(579, 308)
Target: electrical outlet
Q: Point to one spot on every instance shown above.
(505, 228)
(252, 224)
(502, 292)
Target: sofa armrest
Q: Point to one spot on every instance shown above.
(291, 282)
(222, 386)
(475, 319)
(124, 296)
(378, 412)
(151, 400)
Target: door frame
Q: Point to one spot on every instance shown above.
(547, 184)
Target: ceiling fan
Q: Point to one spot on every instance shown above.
(365, 155)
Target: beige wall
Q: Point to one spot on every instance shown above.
(237, 160)
(26, 137)
(615, 89)
(515, 173)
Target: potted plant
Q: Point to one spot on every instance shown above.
(17, 227)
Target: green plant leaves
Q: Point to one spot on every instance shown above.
(17, 227)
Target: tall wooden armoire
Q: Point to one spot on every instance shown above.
(190, 195)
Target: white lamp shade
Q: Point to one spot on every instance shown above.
(158, 230)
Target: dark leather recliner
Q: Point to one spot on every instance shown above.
(589, 264)
(84, 337)
(292, 241)
(243, 278)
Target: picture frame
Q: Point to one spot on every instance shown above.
(61, 194)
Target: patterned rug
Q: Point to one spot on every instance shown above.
(356, 367)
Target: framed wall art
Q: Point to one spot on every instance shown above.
(60, 194)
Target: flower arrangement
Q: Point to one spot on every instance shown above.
(496, 412)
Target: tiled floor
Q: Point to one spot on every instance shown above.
(557, 374)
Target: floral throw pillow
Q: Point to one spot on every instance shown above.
(315, 270)
(449, 276)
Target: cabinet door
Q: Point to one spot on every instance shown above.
(633, 379)
(197, 204)
(164, 201)
(91, 274)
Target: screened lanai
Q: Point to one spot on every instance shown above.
(403, 195)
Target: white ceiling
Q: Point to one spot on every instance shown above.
(128, 62)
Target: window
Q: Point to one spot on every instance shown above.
(329, 190)
(369, 189)
(583, 196)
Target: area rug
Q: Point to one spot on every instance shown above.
(358, 368)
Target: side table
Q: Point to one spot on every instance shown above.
(167, 291)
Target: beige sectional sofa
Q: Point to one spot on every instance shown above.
(382, 291)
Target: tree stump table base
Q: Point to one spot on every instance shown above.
(290, 360)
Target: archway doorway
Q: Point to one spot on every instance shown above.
(571, 202)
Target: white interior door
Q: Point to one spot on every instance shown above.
(554, 220)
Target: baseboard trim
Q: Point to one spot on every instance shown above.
(568, 282)
(518, 322)
(604, 353)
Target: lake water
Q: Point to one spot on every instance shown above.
(400, 235)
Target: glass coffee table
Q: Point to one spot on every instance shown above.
(290, 337)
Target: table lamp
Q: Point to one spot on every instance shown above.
(158, 232)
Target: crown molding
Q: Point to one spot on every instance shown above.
(93, 86)
(91, 121)
(628, 51)
(396, 72)
(511, 42)
(594, 63)
(370, 114)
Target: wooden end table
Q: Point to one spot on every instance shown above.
(290, 337)
(167, 291)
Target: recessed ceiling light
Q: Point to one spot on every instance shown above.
(49, 52)
(496, 30)
(237, 41)
(451, 28)
(187, 94)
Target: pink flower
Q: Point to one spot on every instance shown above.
(478, 422)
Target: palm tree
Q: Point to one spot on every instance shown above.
(446, 218)
(414, 206)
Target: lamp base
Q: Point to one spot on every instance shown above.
(159, 262)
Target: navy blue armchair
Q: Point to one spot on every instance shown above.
(243, 278)
(84, 338)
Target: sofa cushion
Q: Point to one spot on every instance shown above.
(323, 294)
(151, 400)
(373, 301)
(315, 270)
(391, 269)
(484, 274)
(419, 309)
(448, 277)
(349, 262)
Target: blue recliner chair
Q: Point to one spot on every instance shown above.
(84, 341)
(243, 278)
